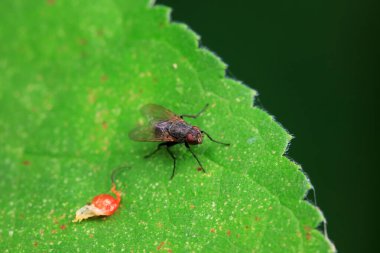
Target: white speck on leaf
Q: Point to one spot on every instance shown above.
(251, 140)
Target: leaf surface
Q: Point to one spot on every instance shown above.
(73, 77)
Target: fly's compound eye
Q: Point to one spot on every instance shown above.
(190, 138)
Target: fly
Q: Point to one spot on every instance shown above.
(170, 129)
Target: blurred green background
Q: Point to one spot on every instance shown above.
(315, 66)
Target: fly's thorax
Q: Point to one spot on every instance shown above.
(179, 130)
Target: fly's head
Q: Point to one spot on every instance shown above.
(194, 136)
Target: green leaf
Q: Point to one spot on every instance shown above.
(73, 77)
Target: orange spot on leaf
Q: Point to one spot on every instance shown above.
(26, 163)
(160, 246)
(63, 227)
(104, 125)
(82, 42)
(308, 232)
(103, 78)
(228, 232)
(212, 230)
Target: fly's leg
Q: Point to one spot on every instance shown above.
(195, 156)
(174, 160)
(158, 148)
(211, 139)
(196, 115)
(168, 145)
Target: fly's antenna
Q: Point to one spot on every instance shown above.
(117, 170)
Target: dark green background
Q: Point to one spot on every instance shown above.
(315, 65)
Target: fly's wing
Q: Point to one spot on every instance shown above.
(144, 133)
(156, 113)
(150, 131)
